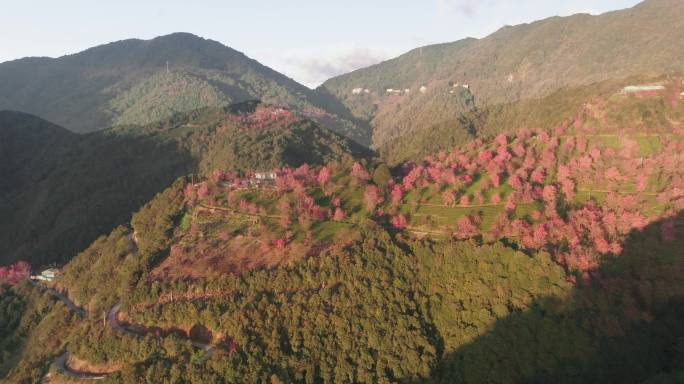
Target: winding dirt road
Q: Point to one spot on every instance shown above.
(70, 304)
(61, 361)
(113, 321)
(63, 369)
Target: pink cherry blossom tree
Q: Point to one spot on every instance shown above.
(466, 228)
(398, 221)
(359, 173)
(339, 214)
(448, 198)
(397, 195)
(372, 197)
(510, 204)
(323, 176)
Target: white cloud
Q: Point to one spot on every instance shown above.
(526, 8)
(464, 7)
(313, 68)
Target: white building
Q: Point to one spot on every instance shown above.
(643, 88)
(407, 90)
(265, 175)
(47, 275)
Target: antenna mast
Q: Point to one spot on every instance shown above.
(167, 67)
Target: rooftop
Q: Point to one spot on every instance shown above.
(637, 88)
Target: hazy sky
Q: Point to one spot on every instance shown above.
(308, 40)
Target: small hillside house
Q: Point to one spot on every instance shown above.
(265, 175)
(47, 275)
(643, 90)
(263, 179)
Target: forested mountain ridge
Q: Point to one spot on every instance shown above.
(25, 139)
(128, 82)
(519, 62)
(62, 190)
(530, 232)
(544, 255)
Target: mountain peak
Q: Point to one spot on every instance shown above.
(180, 36)
(185, 40)
(137, 81)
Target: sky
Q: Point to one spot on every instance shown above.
(308, 40)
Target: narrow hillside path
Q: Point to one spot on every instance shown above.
(618, 192)
(234, 211)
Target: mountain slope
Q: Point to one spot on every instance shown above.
(627, 112)
(127, 82)
(520, 62)
(62, 190)
(67, 188)
(547, 256)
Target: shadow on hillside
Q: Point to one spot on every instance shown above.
(626, 326)
(329, 102)
(247, 106)
(85, 189)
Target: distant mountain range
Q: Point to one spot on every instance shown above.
(142, 81)
(520, 62)
(127, 82)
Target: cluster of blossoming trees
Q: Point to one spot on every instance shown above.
(15, 273)
(544, 169)
(296, 196)
(263, 116)
(582, 196)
